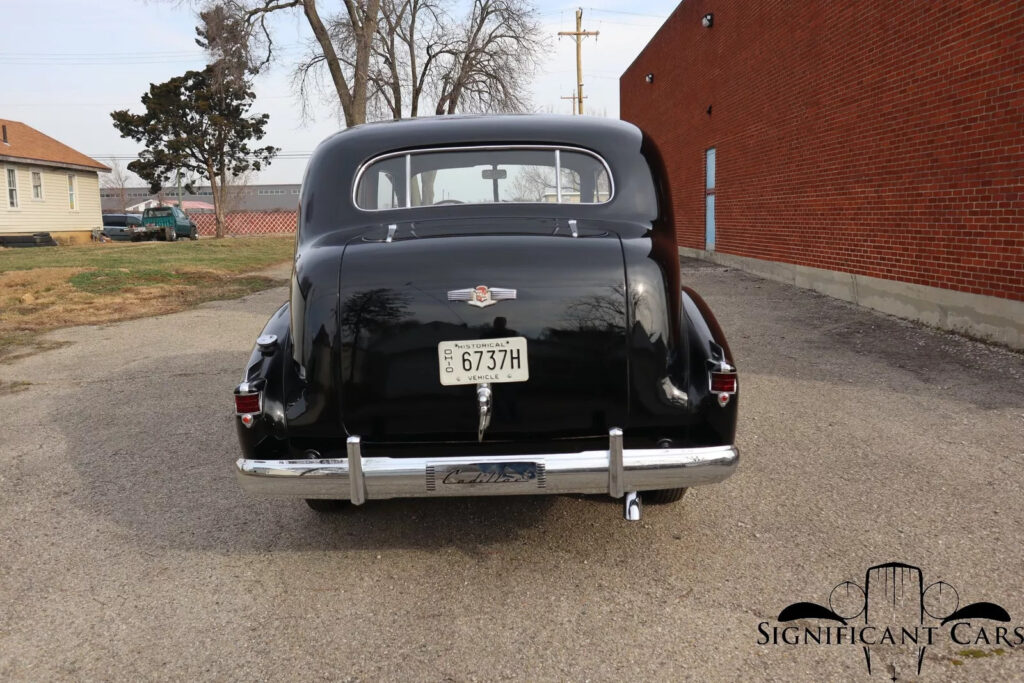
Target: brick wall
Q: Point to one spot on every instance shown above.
(880, 138)
(248, 222)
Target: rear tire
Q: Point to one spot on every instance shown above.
(326, 506)
(662, 496)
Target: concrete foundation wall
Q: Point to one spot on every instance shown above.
(985, 317)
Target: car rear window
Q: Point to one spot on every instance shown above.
(113, 221)
(159, 212)
(483, 175)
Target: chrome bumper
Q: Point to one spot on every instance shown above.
(615, 471)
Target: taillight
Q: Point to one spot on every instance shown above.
(723, 386)
(247, 403)
(723, 382)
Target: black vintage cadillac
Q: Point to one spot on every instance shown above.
(487, 306)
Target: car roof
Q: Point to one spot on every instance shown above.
(584, 131)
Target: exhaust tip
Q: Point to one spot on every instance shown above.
(633, 507)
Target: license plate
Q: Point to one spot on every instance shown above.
(477, 361)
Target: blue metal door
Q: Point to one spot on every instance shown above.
(709, 200)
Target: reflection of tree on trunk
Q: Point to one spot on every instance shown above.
(600, 312)
(370, 310)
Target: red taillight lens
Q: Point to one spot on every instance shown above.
(247, 403)
(723, 382)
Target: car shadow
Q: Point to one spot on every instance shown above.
(168, 476)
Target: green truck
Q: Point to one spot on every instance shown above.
(169, 223)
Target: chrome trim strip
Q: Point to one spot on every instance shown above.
(616, 469)
(408, 185)
(582, 472)
(356, 481)
(558, 175)
(462, 148)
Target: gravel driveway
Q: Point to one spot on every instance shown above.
(127, 551)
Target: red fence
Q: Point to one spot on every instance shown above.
(248, 223)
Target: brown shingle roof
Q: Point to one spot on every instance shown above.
(25, 142)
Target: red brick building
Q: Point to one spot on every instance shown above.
(871, 150)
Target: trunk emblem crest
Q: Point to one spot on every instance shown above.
(481, 296)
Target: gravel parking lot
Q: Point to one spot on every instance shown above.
(127, 551)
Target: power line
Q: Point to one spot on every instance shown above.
(105, 63)
(135, 57)
(55, 53)
(132, 157)
(632, 14)
(114, 104)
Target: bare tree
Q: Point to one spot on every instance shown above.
(234, 192)
(362, 16)
(385, 58)
(532, 183)
(411, 37)
(117, 181)
(230, 41)
(492, 59)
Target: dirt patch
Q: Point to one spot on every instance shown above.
(13, 387)
(44, 299)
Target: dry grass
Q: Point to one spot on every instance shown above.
(93, 284)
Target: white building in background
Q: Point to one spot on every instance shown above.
(47, 186)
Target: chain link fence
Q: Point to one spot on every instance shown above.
(247, 223)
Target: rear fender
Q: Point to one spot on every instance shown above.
(266, 438)
(708, 349)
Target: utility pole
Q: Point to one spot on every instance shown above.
(573, 98)
(579, 34)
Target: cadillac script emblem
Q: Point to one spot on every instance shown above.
(481, 296)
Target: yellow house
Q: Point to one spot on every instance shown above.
(46, 186)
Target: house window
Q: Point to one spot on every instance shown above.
(72, 204)
(12, 188)
(37, 185)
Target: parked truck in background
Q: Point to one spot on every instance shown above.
(173, 222)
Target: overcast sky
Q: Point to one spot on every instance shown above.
(67, 64)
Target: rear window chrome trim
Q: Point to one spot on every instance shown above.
(407, 153)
